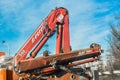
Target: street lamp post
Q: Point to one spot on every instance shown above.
(6, 44)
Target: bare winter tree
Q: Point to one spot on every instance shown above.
(115, 43)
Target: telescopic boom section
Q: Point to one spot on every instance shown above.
(58, 17)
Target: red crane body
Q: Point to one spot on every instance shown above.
(58, 20)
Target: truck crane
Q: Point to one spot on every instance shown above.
(59, 66)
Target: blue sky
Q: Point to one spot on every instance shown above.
(89, 21)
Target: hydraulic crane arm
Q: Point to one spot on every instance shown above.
(47, 65)
(57, 17)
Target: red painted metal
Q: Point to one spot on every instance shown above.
(45, 64)
(40, 62)
(43, 32)
(83, 62)
(63, 38)
(59, 40)
(51, 69)
(66, 36)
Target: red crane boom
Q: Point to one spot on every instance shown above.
(59, 18)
